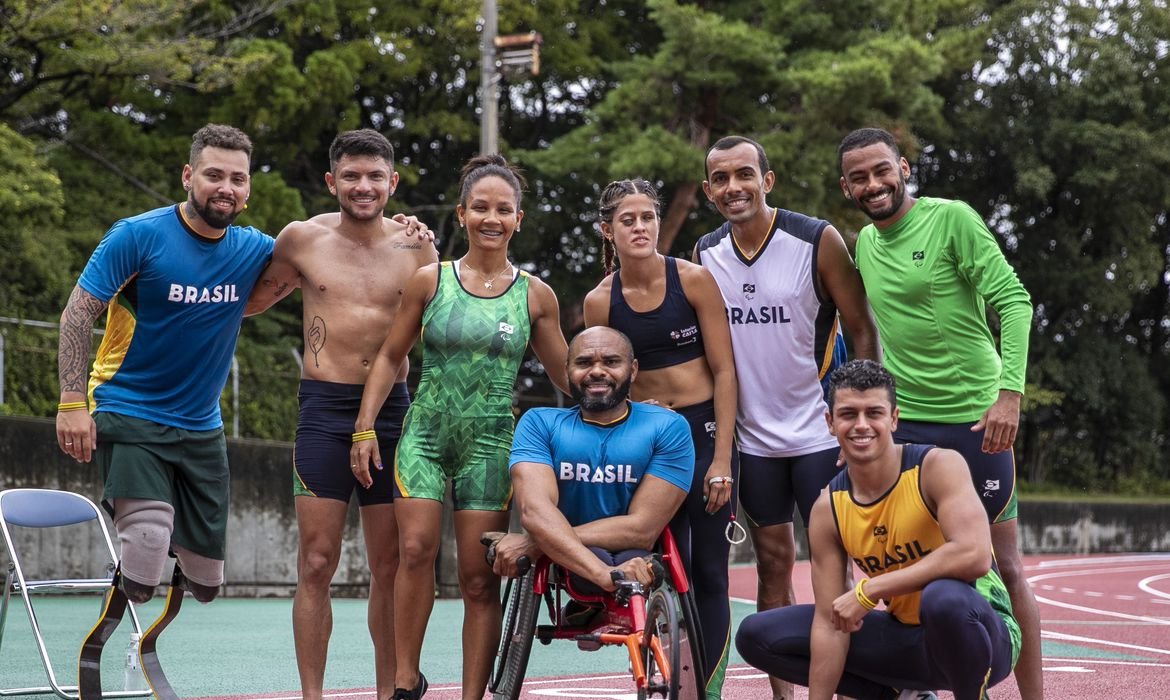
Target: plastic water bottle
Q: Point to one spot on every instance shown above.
(132, 678)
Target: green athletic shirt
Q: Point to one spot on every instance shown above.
(929, 278)
(472, 348)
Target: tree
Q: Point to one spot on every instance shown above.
(1059, 136)
(31, 207)
(793, 75)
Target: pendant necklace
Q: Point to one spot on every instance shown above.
(488, 282)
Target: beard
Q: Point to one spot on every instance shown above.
(897, 197)
(213, 217)
(611, 399)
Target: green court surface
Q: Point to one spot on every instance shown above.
(238, 646)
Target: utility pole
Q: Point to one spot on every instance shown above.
(489, 96)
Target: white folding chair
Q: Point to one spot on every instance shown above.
(46, 508)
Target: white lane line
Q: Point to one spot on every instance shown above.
(1093, 594)
(1048, 634)
(1146, 585)
(1108, 613)
(1110, 571)
(1035, 581)
(1107, 662)
(1098, 561)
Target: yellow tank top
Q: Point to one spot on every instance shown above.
(893, 532)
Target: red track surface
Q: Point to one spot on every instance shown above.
(1105, 622)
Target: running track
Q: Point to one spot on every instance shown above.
(1105, 622)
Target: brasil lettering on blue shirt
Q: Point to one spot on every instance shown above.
(609, 474)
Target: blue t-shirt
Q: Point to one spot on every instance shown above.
(598, 467)
(176, 301)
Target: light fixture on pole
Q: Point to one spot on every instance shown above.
(510, 55)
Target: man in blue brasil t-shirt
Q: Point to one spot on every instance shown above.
(596, 484)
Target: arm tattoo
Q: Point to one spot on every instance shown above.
(315, 338)
(278, 287)
(73, 344)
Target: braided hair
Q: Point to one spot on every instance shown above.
(611, 197)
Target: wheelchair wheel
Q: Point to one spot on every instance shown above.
(521, 606)
(690, 617)
(666, 629)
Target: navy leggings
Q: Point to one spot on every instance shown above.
(613, 559)
(702, 542)
(962, 645)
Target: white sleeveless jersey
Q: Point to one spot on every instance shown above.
(782, 333)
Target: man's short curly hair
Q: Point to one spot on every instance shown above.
(222, 136)
(860, 375)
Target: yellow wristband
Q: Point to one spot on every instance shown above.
(365, 435)
(72, 406)
(862, 598)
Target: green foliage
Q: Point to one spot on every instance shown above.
(31, 210)
(272, 205)
(1058, 135)
(1049, 116)
(29, 369)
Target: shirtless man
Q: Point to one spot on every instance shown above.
(351, 267)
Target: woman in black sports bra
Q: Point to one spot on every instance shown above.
(672, 311)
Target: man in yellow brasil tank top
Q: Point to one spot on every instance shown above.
(909, 518)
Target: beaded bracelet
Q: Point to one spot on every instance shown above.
(72, 406)
(862, 598)
(365, 435)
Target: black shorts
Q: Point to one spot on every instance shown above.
(994, 475)
(325, 421)
(770, 486)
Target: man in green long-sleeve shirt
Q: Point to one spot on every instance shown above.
(930, 268)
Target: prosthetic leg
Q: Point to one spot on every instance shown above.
(147, 653)
(89, 663)
(89, 672)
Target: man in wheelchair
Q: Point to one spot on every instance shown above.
(597, 484)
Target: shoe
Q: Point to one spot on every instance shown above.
(910, 694)
(416, 693)
(578, 614)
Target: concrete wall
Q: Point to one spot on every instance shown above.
(262, 534)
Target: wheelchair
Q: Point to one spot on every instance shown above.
(658, 627)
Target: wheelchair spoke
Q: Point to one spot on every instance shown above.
(519, 628)
(672, 670)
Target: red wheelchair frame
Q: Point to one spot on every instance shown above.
(657, 627)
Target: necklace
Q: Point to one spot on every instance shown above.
(488, 282)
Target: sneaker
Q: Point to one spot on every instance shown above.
(910, 694)
(414, 694)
